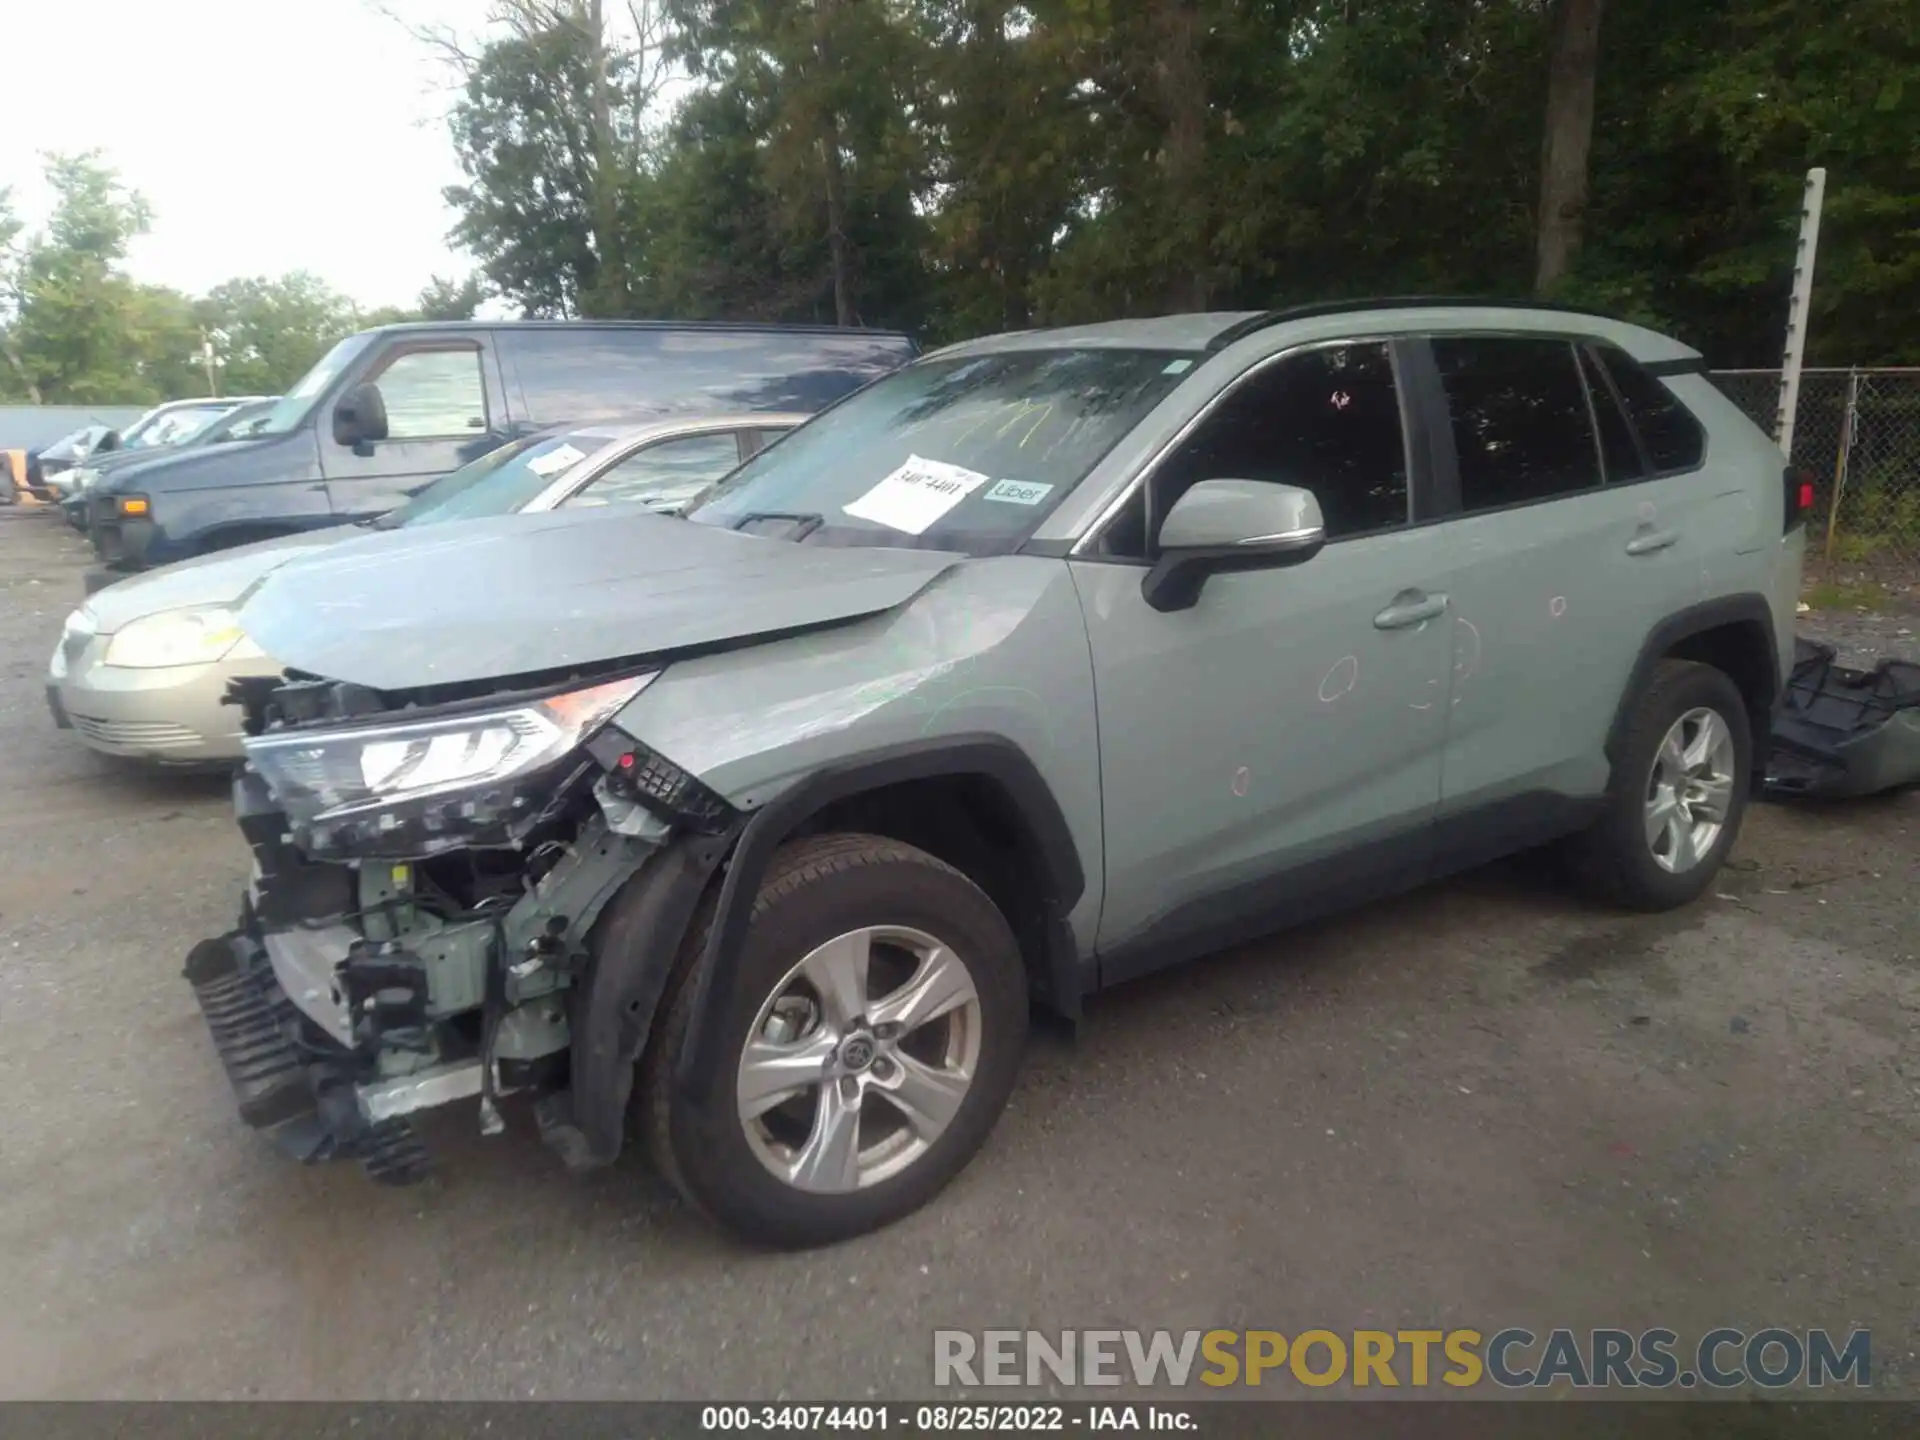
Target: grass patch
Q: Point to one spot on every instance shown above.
(1846, 595)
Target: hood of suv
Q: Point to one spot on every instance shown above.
(494, 599)
(221, 578)
(232, 462)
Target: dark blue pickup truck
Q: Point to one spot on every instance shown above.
(387, 411)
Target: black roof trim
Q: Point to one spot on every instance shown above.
(1689, 365)
(1240, 329)
(717, 326)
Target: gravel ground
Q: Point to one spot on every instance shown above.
(1862, 638)
(1482, 1104)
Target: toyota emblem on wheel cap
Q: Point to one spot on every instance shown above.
(857, 1053)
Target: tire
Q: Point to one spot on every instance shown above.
(818, 890)
(1619, 859)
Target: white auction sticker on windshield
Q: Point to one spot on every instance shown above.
(554, 461)
(916, 495)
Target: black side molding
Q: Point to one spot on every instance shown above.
(1062, 878)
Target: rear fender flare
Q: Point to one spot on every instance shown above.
(1742, 609)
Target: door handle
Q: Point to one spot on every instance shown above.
(1652, 541)
(1409, 607)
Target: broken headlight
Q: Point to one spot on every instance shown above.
(429, 785)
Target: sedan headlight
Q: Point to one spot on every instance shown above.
(196, 636)
(418, 788)
(85, 478)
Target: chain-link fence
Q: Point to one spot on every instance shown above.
(1858, 435)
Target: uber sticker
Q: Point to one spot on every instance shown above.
(554, 461)
(917, 494)
(1019, 492)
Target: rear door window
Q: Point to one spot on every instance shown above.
(1671, 436)
(1519, 418)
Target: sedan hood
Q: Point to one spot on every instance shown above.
(499, 598)
(221, 578)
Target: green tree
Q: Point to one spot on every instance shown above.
(15, 381)
(550, 130)
(1700, 154)
(443, 299)
(829, 90)
(267, 332)
(969, 165)
(74, 309)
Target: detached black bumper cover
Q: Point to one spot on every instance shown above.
(1840, 733)
(287, 1081)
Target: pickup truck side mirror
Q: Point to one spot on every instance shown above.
(360, 417)
(1226, 525)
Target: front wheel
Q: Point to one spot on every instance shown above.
(1678, 793)
(870, 1043)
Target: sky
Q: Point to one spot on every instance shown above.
(267, 135)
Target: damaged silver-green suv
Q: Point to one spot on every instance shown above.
(1048, 660)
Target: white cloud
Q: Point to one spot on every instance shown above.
(268, 135)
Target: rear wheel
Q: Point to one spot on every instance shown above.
(869, 1045)
(1678, 794)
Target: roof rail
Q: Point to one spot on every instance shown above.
(1240, 329)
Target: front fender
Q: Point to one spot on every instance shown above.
(1059, 860)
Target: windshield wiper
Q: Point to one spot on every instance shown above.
(804, 523)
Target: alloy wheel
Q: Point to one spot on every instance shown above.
(1690, 790)
(859, 1059)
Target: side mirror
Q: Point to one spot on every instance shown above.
(360, 417)
(1227, 525)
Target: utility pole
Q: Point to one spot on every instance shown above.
(1815, 195)
(206, 359)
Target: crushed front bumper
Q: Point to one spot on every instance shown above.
(293, 1082)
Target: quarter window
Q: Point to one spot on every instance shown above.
(1327, 420)
(433, 394)
(1519, 413)
(1672, 437)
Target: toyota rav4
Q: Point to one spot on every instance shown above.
(1048, 660)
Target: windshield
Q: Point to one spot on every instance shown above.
(500, 482)
(966, 454)
(240, 423)
(80, 443)
(293, 406)
(174, 426)
(134, 436)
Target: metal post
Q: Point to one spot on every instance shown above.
(1848, 416)
(1816, 193)
(206, 359)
